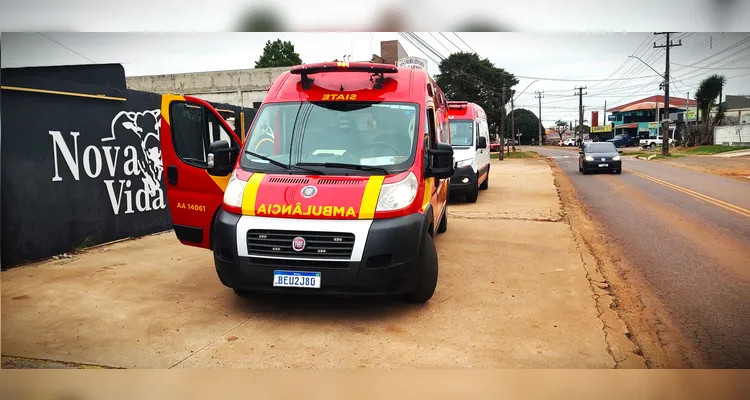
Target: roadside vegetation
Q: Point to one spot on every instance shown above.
(716, 149)
(517, 154)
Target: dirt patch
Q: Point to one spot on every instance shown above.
(622, 295)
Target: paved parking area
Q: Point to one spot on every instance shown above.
(513, 292)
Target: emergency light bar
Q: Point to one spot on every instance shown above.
(458, 104)
(318, 68)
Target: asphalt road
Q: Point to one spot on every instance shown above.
(688, 235)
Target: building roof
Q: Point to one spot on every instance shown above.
(673, 101)
(734, 102)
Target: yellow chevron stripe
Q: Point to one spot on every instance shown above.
(428, 183)
(251, 191)
(166, 99)
(220, 181)
(370, 197)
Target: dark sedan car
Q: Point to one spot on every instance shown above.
(621, 140)
(602, 156)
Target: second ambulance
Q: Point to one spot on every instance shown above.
(470, 137)
(339, 187)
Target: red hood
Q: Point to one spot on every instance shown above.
(324, 197)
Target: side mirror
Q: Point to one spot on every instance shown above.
(221, 158)
(482, 143)
(619, 152)
(442, 165)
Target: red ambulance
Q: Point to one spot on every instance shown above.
(339, 187)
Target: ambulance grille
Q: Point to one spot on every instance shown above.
(332, 245)
(340, 181)
(293, 181)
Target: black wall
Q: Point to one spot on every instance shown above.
(119, 189)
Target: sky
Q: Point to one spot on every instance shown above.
(555, 63)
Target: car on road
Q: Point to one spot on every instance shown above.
(622, 140)
(600, 156)
(570, 142)
(494, 147)
(654, 142)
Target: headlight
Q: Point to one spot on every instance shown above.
(234, 191)
(464, 163)
(616, 158)
(395, 196)
(589, 158)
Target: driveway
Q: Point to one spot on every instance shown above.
(514, 291)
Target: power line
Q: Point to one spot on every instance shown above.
(449, 41)
(90, 60)
(464, 42)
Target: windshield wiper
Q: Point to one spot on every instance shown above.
(280, 164)
(346, 166)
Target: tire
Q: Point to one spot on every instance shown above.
(429, 275)
(652, 145)
(619, 171)
(486, 184)
(585, 172)
(443, 226)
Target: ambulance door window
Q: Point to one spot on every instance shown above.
(189, 127)
(216, 131)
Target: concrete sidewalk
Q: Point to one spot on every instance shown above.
(734, 153)
(515, 291)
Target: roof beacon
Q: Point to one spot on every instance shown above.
(319, 68)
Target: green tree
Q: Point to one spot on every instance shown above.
(467, 77)
(526, 123)
(278, 54)
(708, 90)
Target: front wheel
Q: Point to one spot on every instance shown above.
(443, 226)
(429, 275)
(652, 145)
(486, 184)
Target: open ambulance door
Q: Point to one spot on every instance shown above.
(194, 136)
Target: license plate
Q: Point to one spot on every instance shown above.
(296, 279)
(604, 165)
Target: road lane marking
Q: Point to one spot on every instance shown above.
(731, 207)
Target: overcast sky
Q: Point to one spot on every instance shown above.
(558, 59)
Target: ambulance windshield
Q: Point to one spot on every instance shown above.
(462, 134)
(356, 133)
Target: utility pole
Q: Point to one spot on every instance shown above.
(541, 128)
(665, 123)
(605, 122)
(580, 109)
(513, 124)
(502, 124)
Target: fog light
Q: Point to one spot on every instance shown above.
(465, 180)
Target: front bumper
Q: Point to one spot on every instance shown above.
(457, 184)
(595, 165)
(389, 262)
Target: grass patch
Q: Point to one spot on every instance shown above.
(708, 150)
(658, 156)
(517, 154)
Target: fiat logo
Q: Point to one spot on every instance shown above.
(298, 244)
(603, 158)
(309, 191)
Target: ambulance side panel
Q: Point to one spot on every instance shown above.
(188, 126)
